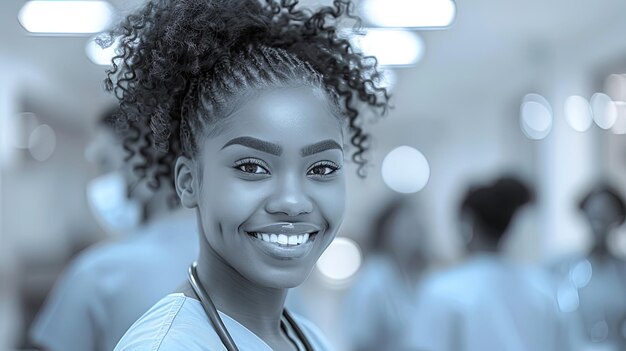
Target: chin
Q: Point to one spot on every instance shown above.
(282, 278)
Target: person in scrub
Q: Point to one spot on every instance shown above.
(379, 306)
(600, 278)
(488, 303)
(107, 287)
(255, 104)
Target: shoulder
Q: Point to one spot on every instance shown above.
(451, 289)
(74, 304)
(82, 274)
(315, 336)
(98, 257)
(175, 322)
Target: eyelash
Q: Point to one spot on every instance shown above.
(251, 161)
(326, 164)
(256, 162)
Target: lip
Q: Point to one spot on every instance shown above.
(281, 252)
(284, 252)
(287, 228)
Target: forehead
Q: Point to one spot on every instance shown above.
(287, 116)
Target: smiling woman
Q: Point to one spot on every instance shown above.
(247, 108)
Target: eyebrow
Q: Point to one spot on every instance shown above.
(258, 144)
(319, 147)
(274, 149)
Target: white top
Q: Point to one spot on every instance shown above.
(110, 285)
(488, 304)
(179, 323)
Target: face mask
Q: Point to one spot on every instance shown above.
(106, 196)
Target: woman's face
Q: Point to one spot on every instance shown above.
(272, 188)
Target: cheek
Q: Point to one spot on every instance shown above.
(331, 200)
(228, 201)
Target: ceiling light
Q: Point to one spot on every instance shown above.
(391, 47)
(409, 13)
(65, 17)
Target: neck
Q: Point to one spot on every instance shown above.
(483, 245)
(600, 249)
(257, 308)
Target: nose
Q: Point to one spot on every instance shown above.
(289, 198)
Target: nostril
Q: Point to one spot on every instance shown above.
(289, 206)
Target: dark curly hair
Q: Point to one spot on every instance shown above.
(179, 63)
(611, 192)
(496, 204)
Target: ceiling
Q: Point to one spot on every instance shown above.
(488, 37)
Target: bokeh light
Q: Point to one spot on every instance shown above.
(599, 331)
(619, 127)
(42, 142)
(97, 54)
(578, 113)
(409, 13)
(341, 260)
(581, 273)
(392, 47)
(604, 110)
(535, 116)
(66, 17)
(405, 170)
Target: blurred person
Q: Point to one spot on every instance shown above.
(488, 303)
(11, 321)
(599, 279)
(108, 286)
(380, 305)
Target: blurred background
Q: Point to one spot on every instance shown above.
(533, 89)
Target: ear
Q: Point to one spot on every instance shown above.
(186, 182)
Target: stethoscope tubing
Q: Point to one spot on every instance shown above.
(216, 320)
(210, 310)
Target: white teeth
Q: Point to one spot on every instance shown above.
(282, 239)
(293, 240)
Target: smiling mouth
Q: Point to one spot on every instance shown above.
(284, 240)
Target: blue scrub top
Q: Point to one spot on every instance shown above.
(109, 286)
(178, 323)
(488, 304)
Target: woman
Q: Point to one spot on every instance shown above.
(602, 295)
(250, 107)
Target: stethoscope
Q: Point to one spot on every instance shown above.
(216, 320)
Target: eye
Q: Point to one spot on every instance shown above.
(322, 169)
(251, 166)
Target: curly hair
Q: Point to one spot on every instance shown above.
(179, 62)
(496, 204)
